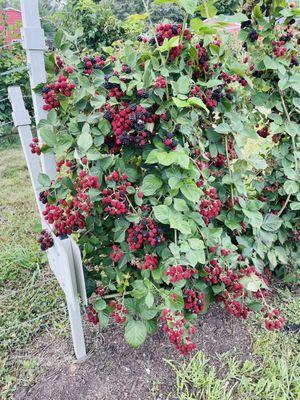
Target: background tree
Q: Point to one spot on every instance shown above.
(125, 8)
(99, 23)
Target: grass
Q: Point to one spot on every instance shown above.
(272, 372)
(30, 298)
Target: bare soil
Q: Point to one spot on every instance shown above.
(115, 371)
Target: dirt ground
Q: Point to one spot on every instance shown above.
(115, 371)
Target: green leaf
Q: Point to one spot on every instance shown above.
(295, 205)
(196, 244)
(149, 300)
(85, 141)
(139, 290)
(182, 85)
(58, 38)
(98, 101)
(257, 161)
(52, 117)
(223, 128)
(214, 82)
(217, 289)
(178, 222)
(270, 63)
(188, 5)
(271, 223)
(180, 205)
(292, 128)
(48, 136)
(147, 313)
(135, 333)
(167, 159)
(207, 9)
(291, 187)
(296, 102)
(103, 319)
(44, 180)
(161, 213)
(99, 305)
(180, 103)
(252, 283)
(196, 102)
(255, 217)
(190, 190)
(151, 184)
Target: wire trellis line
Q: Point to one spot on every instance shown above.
(11, 44)
(11, 71)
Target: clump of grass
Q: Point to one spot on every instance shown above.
(272, 372)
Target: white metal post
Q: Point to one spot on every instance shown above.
(22, 122)
(60, 256)
(33, 41)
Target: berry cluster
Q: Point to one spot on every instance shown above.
(274, 320)
(178, 330)
(150, 263)
(71, 166)
(278, 49)
(130, 124)
(210, 206)
(263, 132)
(100, 291)
(115, 197)
(45, 240)
(202, 56)
(113, 88)
(296, 235)
(52, 90)
(59, 64)
(167, 31)
(169, 141)
(90, 63)
(231, 79)
(143, 94)
(160, 83)
(176, 51)
(193, 302)
(69, 215)
(117, 254)
(178, 272)
(92, 314)
(34, 146)
(43, 197)
(253, 36)
(146, 232)
(119, 312)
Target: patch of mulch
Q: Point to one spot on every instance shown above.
(115, 371)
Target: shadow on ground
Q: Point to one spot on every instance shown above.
(115, 371)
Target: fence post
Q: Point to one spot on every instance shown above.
(62, 256)
(22, 122)
(33, 41)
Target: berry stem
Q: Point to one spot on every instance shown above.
(284, 205)
(289, 120)
(229, 169)
(130, 204)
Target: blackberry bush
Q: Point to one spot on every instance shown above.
(170, 211)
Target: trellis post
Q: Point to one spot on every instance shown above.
(33, 41)
(64, 257)
(61, 256)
